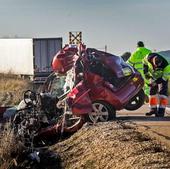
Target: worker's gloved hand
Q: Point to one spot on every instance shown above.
(147, 76)
(158, 73)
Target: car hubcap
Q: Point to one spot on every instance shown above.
(99, 113)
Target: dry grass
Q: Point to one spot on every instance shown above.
(11, 89)
(8, 148)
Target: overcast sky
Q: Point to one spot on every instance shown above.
(119, 24)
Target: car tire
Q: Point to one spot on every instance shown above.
(136, 102)
(101, 112)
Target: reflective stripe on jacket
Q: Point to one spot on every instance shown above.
(165, 73)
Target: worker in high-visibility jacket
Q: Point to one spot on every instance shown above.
(157, 70)
(136, 60)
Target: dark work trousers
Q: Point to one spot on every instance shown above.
(160, 88)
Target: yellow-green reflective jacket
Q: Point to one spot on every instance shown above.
(164, 73)
(136, 59)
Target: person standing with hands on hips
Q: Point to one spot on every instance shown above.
(157, 71)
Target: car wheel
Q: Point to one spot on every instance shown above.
(101, 112)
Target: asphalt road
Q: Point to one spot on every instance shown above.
(157, 127)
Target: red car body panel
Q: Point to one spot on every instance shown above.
(79, 99)
(98, 89)
(64, 59)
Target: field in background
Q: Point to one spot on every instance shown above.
(12, 88)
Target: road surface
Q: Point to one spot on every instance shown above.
(157, 127)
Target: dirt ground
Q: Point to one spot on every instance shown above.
(112, 145)
(158, 128)
(133, 141)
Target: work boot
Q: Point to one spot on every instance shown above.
(160, 112)
(152, 111)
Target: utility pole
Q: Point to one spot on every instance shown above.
(105, 48)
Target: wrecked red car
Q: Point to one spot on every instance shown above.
(104, 83)
(99, 84)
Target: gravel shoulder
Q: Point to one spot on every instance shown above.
(117, 145)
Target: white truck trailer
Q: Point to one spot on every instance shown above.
(28, 56)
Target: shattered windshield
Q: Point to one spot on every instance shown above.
(57, 86)
(61, 84)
